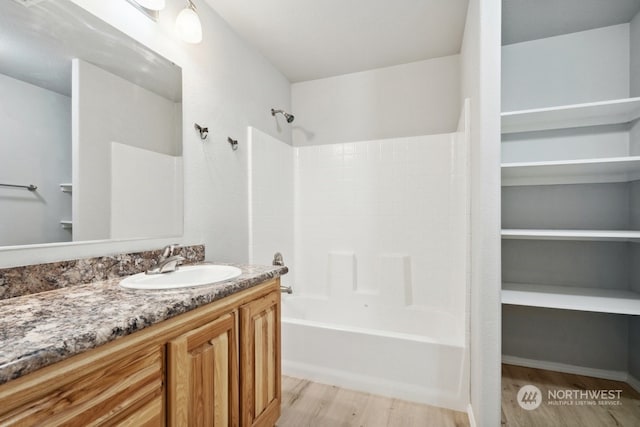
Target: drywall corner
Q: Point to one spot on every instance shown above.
(480, 71)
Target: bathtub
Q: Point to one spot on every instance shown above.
(407, 353)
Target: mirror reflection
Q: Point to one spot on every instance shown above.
(91, 118)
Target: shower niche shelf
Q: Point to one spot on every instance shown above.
(569, 116)
(583, 171)
(599, 300)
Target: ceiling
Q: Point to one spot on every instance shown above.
(524, 20)
(312, 39)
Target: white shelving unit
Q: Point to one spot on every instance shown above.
(576, 235)
(572, 298)
(611, 169)
(571, 204)
(569, 116)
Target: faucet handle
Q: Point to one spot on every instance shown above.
(277, 259)
(169, 250)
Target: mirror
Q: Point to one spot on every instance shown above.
(93, 119)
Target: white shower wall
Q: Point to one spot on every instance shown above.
(270, 200)
(382, 222)
(379, 222)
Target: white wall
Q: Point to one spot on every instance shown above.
(480, 82)
(420, 98)
(105, 109)
(152, 205)
(227, 86)
(580, 67)
(35, 124)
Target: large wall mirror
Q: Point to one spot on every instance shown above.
(91, 118)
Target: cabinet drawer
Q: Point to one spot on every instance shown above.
(113, 391)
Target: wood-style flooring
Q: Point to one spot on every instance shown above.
(305, 403)
(546, 415)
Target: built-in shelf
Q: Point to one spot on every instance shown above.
(595, 235)
(572, 298)
(608, 169)
(67, 225)
(568, 116)
(66, 187)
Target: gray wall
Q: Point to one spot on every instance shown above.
(634, 347)
(584, 206)
(634, 321)
(582, 264)
(35, 148)
(575, 143)
(634, 50)
(569, 69)
(634, 205)
(592, 340)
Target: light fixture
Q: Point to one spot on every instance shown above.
(152, 4)
(188, 24)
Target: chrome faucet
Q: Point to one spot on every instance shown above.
(168, 261)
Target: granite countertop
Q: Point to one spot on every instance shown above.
(40, 329)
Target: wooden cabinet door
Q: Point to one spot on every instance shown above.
(203, 376)
(260, 361)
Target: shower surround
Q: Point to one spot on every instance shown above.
(375, 234)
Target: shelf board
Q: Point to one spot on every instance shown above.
(589, 235)
(569, 116)
(608, 169)
(572, 298)
(66, 187)
(67, 225)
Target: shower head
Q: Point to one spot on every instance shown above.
(286, 115)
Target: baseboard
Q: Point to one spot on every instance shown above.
(376, 386)
(633, 382)
(472, 418)
(568, 369)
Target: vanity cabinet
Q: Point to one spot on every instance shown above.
(192, 370)
(260, 360)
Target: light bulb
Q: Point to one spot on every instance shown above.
(188, 25)
(152, 4)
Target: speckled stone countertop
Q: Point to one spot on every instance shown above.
(40, 329)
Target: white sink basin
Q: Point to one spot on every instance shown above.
(183, 277)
